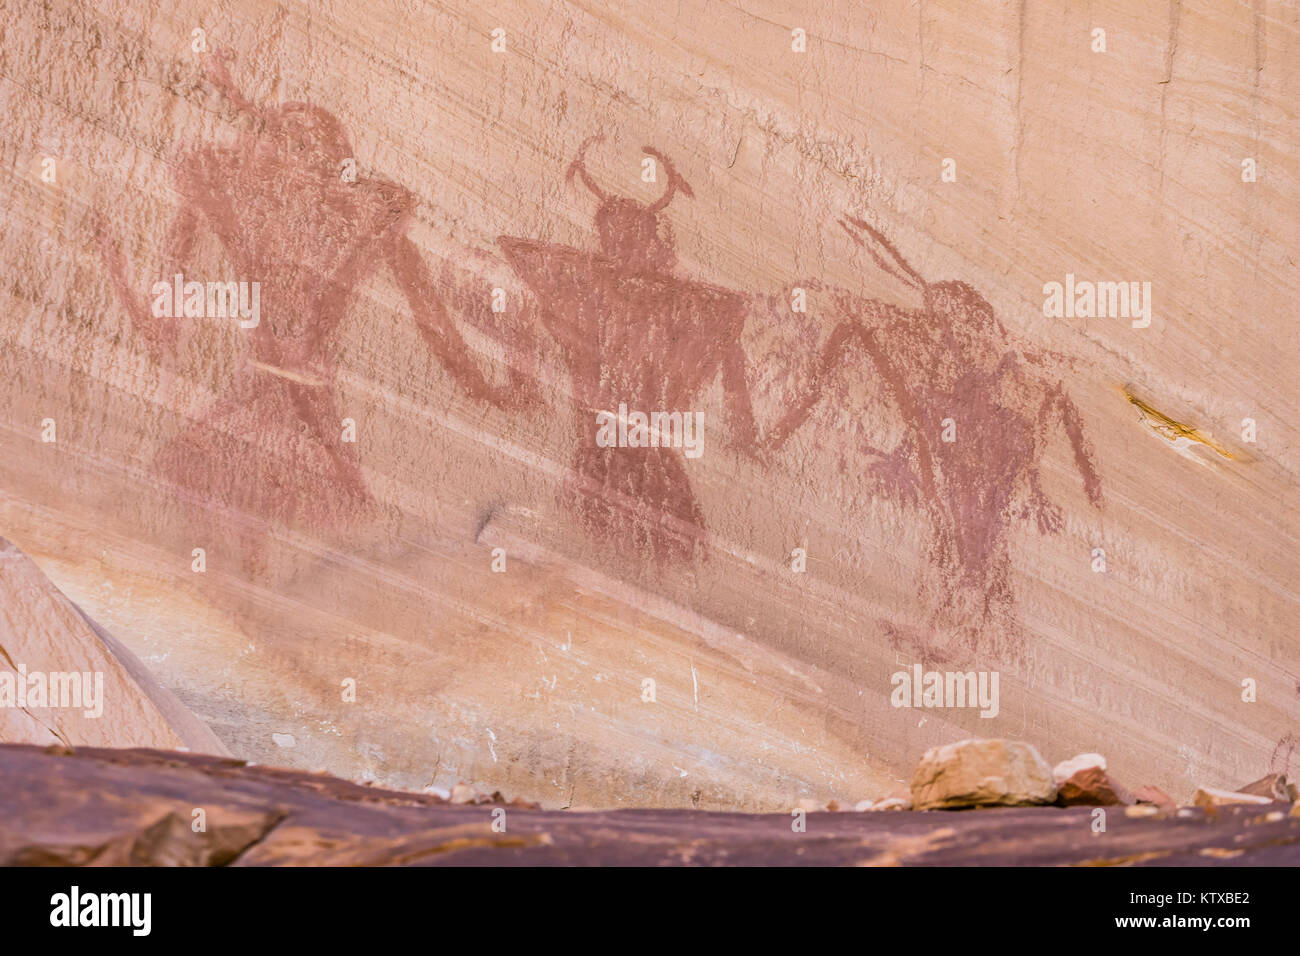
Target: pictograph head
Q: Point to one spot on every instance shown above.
(292, 134)
(304, 134)
(955, 310)
(632, 232)
(966, 315)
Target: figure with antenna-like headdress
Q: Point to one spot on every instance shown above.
(978, 410)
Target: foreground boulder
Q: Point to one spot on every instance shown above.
(982, 773)
(1273, 786)
(1082, 781)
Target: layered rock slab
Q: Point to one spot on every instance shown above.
(65, 680)
(111, 807)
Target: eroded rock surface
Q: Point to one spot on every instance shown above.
(1213, 797)
(104, 807)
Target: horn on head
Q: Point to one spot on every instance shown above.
(879, 240)
(675, 181)
(579, 168)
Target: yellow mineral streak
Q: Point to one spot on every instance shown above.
(1174, 431)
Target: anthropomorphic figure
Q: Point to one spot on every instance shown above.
(271, 449)
(978, 414)
(634, 333)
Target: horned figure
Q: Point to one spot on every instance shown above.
(979, 413)
(631, 233)
(637, 336)
(272, 449)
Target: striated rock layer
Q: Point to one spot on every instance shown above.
(367, 524)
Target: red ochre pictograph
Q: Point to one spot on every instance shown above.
(951, 364)
(632, 332)
(271, 448)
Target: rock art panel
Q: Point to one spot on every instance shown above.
(943, 450)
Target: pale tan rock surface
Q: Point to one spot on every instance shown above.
(92, 690)
(371, 562)
(892, 803)
(1210, 797)
(978, 773)
(1066, 769)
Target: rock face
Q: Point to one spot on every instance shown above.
(64, 680)
(96, 807)
(382, 521)
(980, 773)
